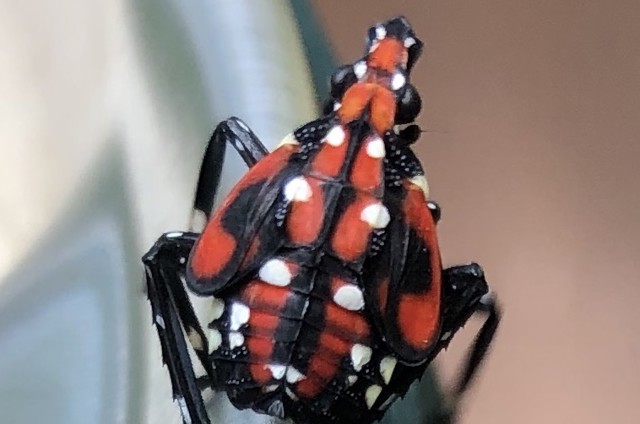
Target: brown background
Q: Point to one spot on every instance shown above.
(533, 155)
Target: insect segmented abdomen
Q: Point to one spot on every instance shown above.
(292, 337)
(324, 255)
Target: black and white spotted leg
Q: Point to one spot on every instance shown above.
(466, 293)
(236, 133)
(165, 265)
(174, 317)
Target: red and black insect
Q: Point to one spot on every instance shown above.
(328, 294)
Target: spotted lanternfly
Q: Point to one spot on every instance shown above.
(323, 267)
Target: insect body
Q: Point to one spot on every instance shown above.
(329, 297)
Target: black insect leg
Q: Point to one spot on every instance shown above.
(231, 131)
(466, 292)
(174, 317)
(482, 341)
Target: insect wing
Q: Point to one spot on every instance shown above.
(244, 229)
(404, 278)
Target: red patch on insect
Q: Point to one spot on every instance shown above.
(323, 365)
(383, 110)
(419, 313)
(388, 55)
(260, 348)
(351, 236)
(348, 323)
(419, 217)
(305, 218)
(260, 373)
(262, 323)
(367, 172)
(309, 388)
(380, 101)
(329, 159)
(209, 256)
(321, 369)
(333, 344)
(266, 297)
(418, 318)
(215, 247)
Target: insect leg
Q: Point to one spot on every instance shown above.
(466, 292)
(173, 316)
(490, 309)
(231, 131)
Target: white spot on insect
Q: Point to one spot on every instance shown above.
(291, 394)
(381, 32)
(371, 395)
(270, 388)
(236, 339)
(195, 339)
(408, 42)
(352, 379)
(277, 371)
(387, 366)
(215, 340)
(160, 322)
(375, 148)
(239, 315)
(445, 336)
(335, 136)
(288, 139)
(297, 189)
(360, 68)
(186, 417)
(217, 308)
(398, 81)
(242, 125)
(421, 181)
(275, 272)
(376, 215)
(349, 297)
(293, 375)
(174, 234)
(360, 356)
(239, 146)
(336, 106)
(182, 260)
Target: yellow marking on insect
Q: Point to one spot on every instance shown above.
(421, 182)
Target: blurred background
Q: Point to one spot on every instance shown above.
(532, 117)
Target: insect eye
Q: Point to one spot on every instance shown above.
(342, 79)
(410, 134)
(409, 105)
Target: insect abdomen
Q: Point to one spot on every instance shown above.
(294, 335)
(295, 340)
